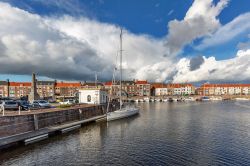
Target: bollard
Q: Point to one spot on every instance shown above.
(19, 110)
(36, 127)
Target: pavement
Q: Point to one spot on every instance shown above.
(38, 111)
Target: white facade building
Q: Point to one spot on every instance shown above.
(180, 89)
(161, 91)
(93, 96)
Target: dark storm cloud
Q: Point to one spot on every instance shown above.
(196, 62)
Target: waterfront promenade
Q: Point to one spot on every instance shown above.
(37, 124)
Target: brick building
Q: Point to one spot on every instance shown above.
(142, 88)
(224, 89)
(130, 88)
(46, 89)
(67, 89)
(3, 89)
(19, 89)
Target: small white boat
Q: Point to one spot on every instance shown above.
(175, 99)
(123, 113)
(189, 99)
(158, 100)
(205, 98)
(241, 99)
(165, 100)
(216, 98)
(146, 99)
(141, 100)
(136, 100)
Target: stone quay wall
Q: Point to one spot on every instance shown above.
(12, 125)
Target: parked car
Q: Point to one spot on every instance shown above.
(41, 104)
(8, 105)
(67, 101)
(25, 105)
(52, 100)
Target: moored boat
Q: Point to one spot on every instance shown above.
(122, 112)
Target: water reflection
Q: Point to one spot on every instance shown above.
(193, 133)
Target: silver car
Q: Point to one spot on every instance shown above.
(8, 105)
(41, 104)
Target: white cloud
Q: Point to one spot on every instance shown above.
(227, 32)
(69, 48)
(74, 48)
(235, 69)
(29, 45)
(200, 20)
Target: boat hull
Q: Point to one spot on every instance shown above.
(120, 114)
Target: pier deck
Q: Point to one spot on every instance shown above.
(48, 130)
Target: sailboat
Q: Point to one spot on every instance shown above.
(122, 112)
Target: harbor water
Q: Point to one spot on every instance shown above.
(181, 133)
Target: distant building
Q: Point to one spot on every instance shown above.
(129, 88)
(92, 85)
(46, 89)
(224, 89)
(66, 89)
(182, 89)
(93, 96)
(142, 88)
(19, 89)
(3, 89)
(161, 89)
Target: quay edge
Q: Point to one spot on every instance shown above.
(29, 128)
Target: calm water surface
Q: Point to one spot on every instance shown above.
(193, 133)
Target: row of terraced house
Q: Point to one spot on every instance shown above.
(224, 89)
(45, 89)
(56, 89)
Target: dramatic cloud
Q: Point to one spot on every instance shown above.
(68, 48)
(75, 48)
(239, 25)
(29, 45)
(237, 68)
(196, 62)
(200, 20)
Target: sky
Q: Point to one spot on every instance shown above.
(164, 40)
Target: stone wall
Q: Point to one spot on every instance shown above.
(11, 125)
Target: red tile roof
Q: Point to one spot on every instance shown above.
(20, 83)
(68, 84)
(141, 82)
(159, 85)
(109, 83)
(180, 85)
(224, 85)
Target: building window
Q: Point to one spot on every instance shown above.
(89, 98)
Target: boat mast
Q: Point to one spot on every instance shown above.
(121, 70)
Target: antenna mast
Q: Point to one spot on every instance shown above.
(121, 70)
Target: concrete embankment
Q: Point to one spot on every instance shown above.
(31, 127)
